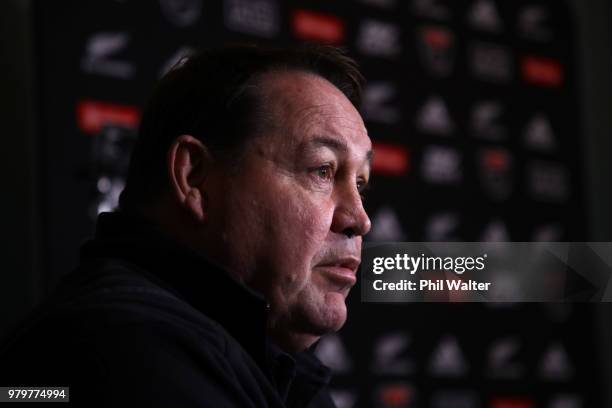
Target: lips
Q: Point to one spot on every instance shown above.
(342, 271)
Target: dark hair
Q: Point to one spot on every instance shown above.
(210, 96)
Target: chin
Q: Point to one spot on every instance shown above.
(312, 320)
(333, 314)
(318, 313)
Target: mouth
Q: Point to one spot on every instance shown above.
(342, 272)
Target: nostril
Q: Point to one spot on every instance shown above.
(349, 232)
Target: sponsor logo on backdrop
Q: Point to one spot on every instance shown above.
(502, 359)
(512, 402)
(543, 72)
(101, 58)
(386, 226)
(548, 233)
(107, 198)
(495, 231)
(390, 355)
(332, 352)
(317, 26)
(539, 134)
(441, 165)
(447, 359)
(177, 59)
(455, 399)
(108, 163)
(92, 116)
(378, 102)
(390, 159)
(343, 398)
(532, 21)
(255, 17)
(442, 227)
(434, 117)
(555, 364)
(548, 181)
(485, 121)
(436, 9)
(483, 15)
(110, 150)
(490, 62)
(566, 401)
(377, 38)
(395, 395)
(436, 46)
(496, 173)
(182, 13)
(388, 4)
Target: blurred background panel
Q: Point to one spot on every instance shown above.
(490, 120)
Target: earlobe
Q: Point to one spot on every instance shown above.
(195, 204)
(188, 164)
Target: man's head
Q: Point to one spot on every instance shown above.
(257, 158)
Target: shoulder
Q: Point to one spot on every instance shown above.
(118, 297)
(112, 308)
(117, 327)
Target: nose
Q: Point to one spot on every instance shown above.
(350, 218)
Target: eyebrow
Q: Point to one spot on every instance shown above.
(334, 144)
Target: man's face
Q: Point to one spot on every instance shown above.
(293, 218)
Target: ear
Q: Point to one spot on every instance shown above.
(188, 164)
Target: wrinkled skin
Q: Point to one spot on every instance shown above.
(289, 223)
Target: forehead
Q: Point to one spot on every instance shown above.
(302, 107)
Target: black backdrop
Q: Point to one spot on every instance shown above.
(472, 108)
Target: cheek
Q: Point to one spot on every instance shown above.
(306, 223)
(298, 226)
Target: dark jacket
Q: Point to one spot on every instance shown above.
(146, 322)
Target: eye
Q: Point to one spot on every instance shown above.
(362, 187)
(325, 172)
